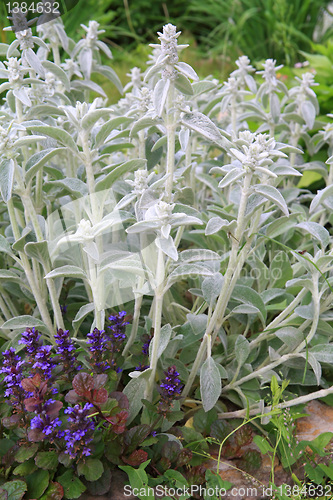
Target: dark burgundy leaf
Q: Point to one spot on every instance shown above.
(99, 396)
(36, 435)
(54, 492)
(121, 398)
(171, 450)
(100, 380)
(53, 409)
(31, 404)
(28, 384)
(164, 464)
(11, 422)
(118, 422)
(184, 457)
(136, 458)
(83, 383)
(135, 436)
(72, 397)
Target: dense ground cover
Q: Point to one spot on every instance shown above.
(162, 267)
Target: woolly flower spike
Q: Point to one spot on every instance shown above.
(170, 389)
(81, 431)
(12, 368)
(31, 339)
(168, 41)
(65, 349)
(269, 72)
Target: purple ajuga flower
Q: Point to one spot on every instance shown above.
(31, 340)
(66, 350)
(170, 389)
(46, 419)
(141, 367)
(117, 334)
(43, 363)
(145, 347)
(98, 347)
(12, 368)
(63, 309)
(81, 431)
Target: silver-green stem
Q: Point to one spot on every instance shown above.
(90, 175)
(286, 404)
(30, 209)
(159, 294)
(27, 269)
(171, 131)
(217, 318)
(278, 320)
(135, 323)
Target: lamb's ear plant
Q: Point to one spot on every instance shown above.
(181, 201)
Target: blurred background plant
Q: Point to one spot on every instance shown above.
(218, 31)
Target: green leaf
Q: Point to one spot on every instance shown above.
(210, 384)
(119, 171)
(58, 72)
(108, 127)
(23, 322)
(47, 460)
(204, 126)
(92, 469)
(37, 483)
(74, 186)
(4, 245)
(15, 489)
(280, 226)
(247, 295)
(81, 314)
(320, 197)
(197, 322)
(211, 288)
(143, 123)
(242, 349)
(26, 468)
(101, 486)
(38, 251)
(135, 391)
(7, 169)
(272, 194)
(138, 479)
(38, 160)
(317, 231)
(165, 336)
(5, 446)
(89, 120)
(54, 492)
(67, 272)
(72, 485)
(24, 453)
(280, 270)
(58, 134)
(323, 353)
(183, 84)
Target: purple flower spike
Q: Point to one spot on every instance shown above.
(81, 430)
(66, 349)
(170, 389)
(43, 363)
(31, 339)
(98, 347)
(117, 334)
(12, 368)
